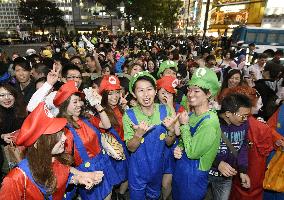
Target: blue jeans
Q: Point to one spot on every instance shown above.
(220, 187)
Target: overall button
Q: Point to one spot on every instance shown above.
(162, 136)
(87, 164)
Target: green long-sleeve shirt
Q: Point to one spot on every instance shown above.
(205, 142)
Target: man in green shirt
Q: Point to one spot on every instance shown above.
(200, 138)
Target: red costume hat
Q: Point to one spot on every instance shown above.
(64, 92)
(109, 83)
(169, 83)
(39, 122)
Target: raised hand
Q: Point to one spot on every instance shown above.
(169, 122)
(8, 137)
(141, 129)
(53, 75)
(92, 96)
(123, 102)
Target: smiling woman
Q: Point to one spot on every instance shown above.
(12, 115)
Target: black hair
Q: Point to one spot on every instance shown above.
(41, 68)
(230, 52)
(69, 67)
(41, 79)
(209, 57)
(146, 78)
(22, 62)
(206, 91)
(262, 55)
(233, 102)
(279, 52)
(75, 57)
(251, 45)
(48, 62)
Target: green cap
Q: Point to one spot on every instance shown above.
(135, 78)
(167, 64)
(205, 78)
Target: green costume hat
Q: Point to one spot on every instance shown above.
(167, 64)
(135, 78)
(205, 78)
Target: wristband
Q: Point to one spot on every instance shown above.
(102, 110)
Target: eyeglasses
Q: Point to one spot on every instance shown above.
(7, 95)
(243, 117)
(73, 77)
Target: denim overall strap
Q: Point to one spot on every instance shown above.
(193, 129)
(79, 144)
(163, 112)
(132, 116)
(177, 107)
(115, 134)
(24, 166)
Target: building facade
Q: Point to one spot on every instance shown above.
(228, 14)
(79, 15)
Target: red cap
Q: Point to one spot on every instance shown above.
(64, 92)
(39, 122)
(109, 83)
(169, 83)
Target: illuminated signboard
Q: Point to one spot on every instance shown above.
(232, 8)
(229, 1)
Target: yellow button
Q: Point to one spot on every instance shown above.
(87, 164)
(162, 136)
(278, 125)
(64, 196)
(142, 140)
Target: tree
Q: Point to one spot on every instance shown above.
(170, 13)
(110, 5)
(150, 12)
(41, 13)
(153, 12)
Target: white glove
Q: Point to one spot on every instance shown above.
(92, 96)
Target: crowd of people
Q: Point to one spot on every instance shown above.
(148, 117)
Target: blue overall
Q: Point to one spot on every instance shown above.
(271, 195)
(24, 166)
(189, 183)
(120, 166)
(169, 164)
(146, 163)
(100, 162)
